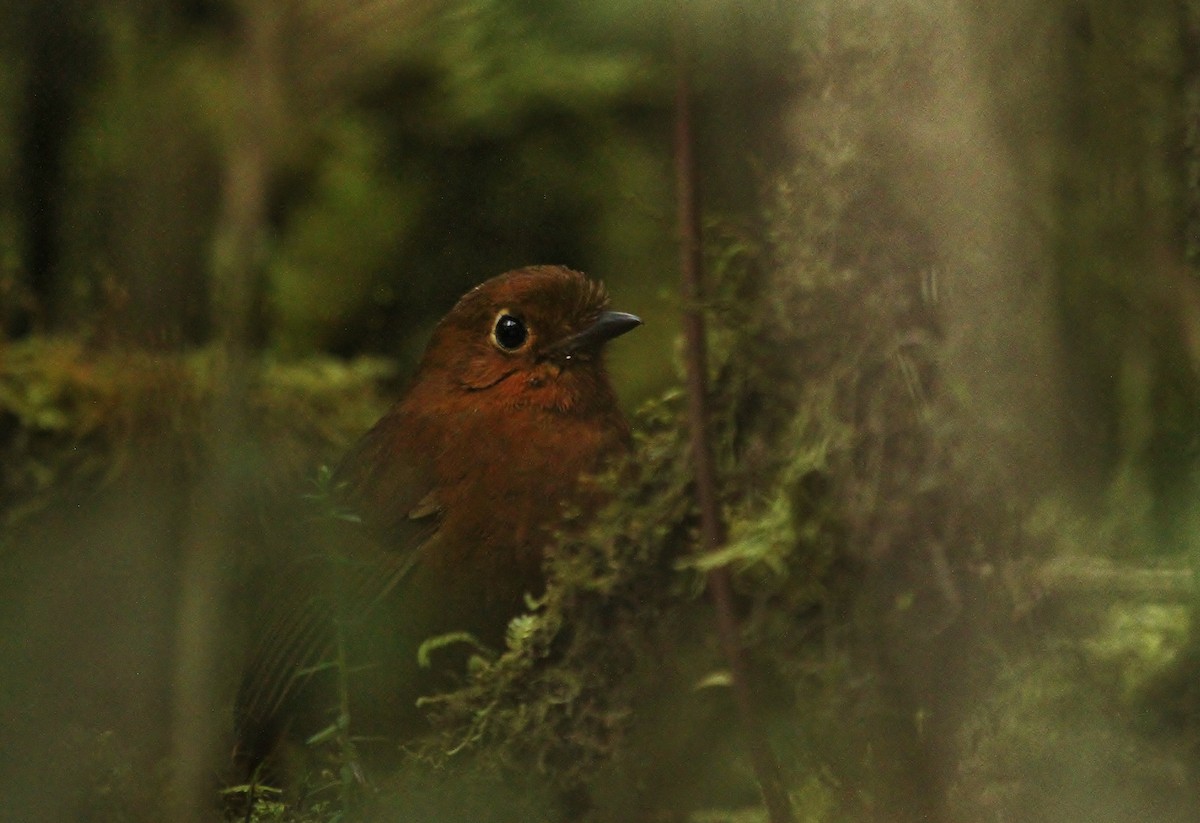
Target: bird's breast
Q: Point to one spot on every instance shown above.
(504, 485)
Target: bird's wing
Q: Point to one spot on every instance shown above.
(386, 478)
(337, 570)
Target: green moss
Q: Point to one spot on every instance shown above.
(76, 417)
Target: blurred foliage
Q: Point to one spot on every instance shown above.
(1120, 239)
(73, 419)
(910, 664)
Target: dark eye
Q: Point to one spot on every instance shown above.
(510, 333)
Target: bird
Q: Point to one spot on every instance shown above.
(442, 510)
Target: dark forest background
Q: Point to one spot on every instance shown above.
(955, 310)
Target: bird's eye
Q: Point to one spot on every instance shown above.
(509, 333)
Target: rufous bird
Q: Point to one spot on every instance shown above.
(447, 504)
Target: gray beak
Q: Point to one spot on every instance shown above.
(608, 324)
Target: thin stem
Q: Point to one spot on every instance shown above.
(712, 527)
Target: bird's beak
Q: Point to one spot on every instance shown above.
(607, 325)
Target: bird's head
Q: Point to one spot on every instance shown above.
(529, 337)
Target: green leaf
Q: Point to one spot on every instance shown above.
(441, 641)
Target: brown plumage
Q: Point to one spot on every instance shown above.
(458, 488)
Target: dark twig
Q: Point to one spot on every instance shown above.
(712, 527)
